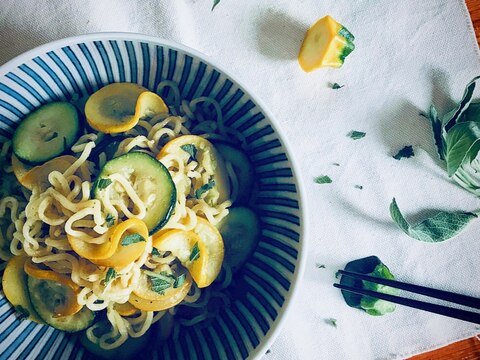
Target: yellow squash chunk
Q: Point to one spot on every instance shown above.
(68, 289)
(20, 169)
(38, 175)
(180, 243)
(118, 107)
(14, 284)
(125, 309)
(326, 44)
(144, 298)
(206, 154)
(112, 253)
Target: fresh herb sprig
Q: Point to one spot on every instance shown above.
(132, 239)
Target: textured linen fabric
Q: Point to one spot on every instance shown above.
(408, 54)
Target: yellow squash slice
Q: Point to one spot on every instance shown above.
(111, 252)
(66, 289)
(14, 283)
(201, 251)
(326, 44)
(206, 154)
(118, 107)
(144, 298)
(38, 175)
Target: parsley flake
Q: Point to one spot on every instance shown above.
(160, 285)
(320, 266)
(355, 135)
(215, 3)
(406, 152)
(359, 187)
(191, 150)
(322, 179)
(132, 239)
(22, 313)
(110, 220)
(111, 274)
(155, 252)
(103, 183)
(204, 188)
(335, 164)
(331, 321)
(195, 253)
(336, 86)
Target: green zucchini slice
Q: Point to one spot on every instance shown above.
(46, 133)
(151, 181)
(44, 294)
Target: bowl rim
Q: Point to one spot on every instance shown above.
(293, 292)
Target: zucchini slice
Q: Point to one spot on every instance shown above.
(46, 133)
(45, 295)
(240, 230)
(151, 181)
(243, 170)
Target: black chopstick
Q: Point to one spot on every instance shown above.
(417, 304)
(417, 289)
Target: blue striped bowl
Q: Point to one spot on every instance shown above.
(84, 64)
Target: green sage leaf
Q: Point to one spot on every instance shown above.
(322, 179)
(440, 227)
(462, 144)
(132, 239)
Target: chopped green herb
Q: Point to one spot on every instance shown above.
(204, 188)
(320, 266)
(111, 274)
(179, 281)
(440, 227)
(336, 86)
(335, 164)
(22, 313)
(155, 252)
(267, 352)
(191, 150)
(215, 3)
(132, 239)
(331, 321)
(160, 285)
(322, 179)
(103, 183)
(406, 152)
(110, 220)
(359, 187)
(161, 275)
(355, 135)
(195, 253)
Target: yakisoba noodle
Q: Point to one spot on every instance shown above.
(42, 221)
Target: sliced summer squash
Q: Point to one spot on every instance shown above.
(206, 154)
(146, 299)
(45, 294)
(112, 253)
(151, 181)
(46, 133)
(240, 230)
(14, 284)
(205, 241)
(118, 107)
(326, 44)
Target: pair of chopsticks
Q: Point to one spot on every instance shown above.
(465, 300)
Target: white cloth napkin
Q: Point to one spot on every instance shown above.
(407, 55)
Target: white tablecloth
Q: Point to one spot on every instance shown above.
(408, 54)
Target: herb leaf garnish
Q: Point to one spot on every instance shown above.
(331, 321)
(132, 239)
(155, 252)
(110, 220)
(111, 274)
(204, 188)
(336, 86)
(322, 179)
(359, 187)
(215, 3)
(179, 280)
(442, 226)
(191, 150)
(355, 135)
(160, 285)
(195, 253)
(405, 152)
(103, 183)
